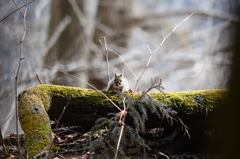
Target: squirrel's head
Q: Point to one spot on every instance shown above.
(118, 79)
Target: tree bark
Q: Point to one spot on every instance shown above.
(39, 104)
(71, 46)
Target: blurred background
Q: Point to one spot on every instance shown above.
(64, 36)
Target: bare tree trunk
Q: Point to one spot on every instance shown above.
(113, 21)
(76, 42)
(115, 16)
(71, 46)
(229, 124)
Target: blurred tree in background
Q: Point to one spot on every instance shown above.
(64, 35)
(79, 42)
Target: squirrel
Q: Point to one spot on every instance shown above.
(118, 83)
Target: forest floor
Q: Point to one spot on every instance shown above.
(69, 144)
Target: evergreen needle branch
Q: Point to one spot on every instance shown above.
(121, 116)
(184, 128)
(16, 78)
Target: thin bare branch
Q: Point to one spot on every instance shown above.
(56, 128)
(39, 79)
(2, 142)
(8, 117)
(18, 8)
(62, 113)
(88, 85)
(150, 57)
(39, 155)
(201, 12)
(171, 33)
(106, 49)
(122, 123)
(15, 11)
(121, 59)
(162, 154)
(16, 78)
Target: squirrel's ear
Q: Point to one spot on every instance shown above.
(115, 74)
(122, 72)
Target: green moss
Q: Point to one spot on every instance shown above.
(193, 101)
(36, 101)
(35, 122)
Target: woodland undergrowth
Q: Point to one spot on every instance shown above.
(111, 135)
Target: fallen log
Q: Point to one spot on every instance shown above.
(39, 104)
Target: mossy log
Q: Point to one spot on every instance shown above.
(39, 104)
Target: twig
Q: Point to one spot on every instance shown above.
(39, 79)
(225, 16)
(61, 156)
(138, 79)
(124, 112)
(184, 127)
(7, 118)
(171, 32)
(150, 57)
(40, 154)
(157, 83)
(121, 121)
(18, 7)
(67, 128)
(123, 62)
(89, 86)
(136, 86)
(57, 124)
(162, 154)
(121, 59)
(2, 142)
(106, 49)
(15, 11)
(16, 78)
(62, 113)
